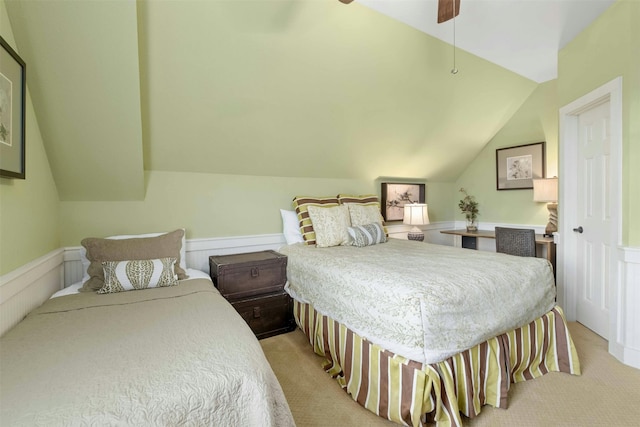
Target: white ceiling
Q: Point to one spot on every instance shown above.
(523, 36)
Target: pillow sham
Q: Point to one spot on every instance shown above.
(183, 251)
(330, 225)
(291, 227)
(99, 250)
(301, 206)
(120, 276)
(361, 214)
(367, 234)
(366, 200)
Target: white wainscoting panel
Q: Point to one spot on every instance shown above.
(199, 250)
(28, 287)
(431, 232)
(72, 266)
(626, 345)
(490, 244)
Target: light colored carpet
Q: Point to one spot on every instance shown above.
(606, 394)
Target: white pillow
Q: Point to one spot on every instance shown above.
(291, 227)
(330, 225)
(183, 250)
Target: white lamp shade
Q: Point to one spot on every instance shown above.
(416, 214)
(545, 190)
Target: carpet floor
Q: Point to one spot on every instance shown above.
(606, 394)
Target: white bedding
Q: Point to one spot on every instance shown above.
(422, 301)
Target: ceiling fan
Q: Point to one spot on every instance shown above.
(446, 9)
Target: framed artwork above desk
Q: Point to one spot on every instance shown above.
(469, 240)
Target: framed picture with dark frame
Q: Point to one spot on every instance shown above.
(518, 166)
(395, 195)
(12, 112)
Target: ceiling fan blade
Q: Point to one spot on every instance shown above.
(445, 10)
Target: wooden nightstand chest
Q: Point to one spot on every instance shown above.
(254, 284)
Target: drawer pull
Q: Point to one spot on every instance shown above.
(256, 312)
(255, 271)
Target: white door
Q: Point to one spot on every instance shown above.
(593, 222)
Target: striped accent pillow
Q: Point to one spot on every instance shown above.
(365, 198)
(301, 205)
(120, 276)
(367, 235)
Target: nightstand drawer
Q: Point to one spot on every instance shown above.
(245, 275)
(267, 315)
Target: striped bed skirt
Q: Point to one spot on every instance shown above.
(412, 393)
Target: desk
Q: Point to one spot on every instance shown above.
(467, 239)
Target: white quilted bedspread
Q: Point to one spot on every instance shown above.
(178, 356)
(422, 301)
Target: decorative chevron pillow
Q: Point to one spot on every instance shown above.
(120, 276)
(367, 235)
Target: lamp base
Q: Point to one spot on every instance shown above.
(415, 234)
(552, 225)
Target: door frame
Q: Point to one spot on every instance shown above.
(568, 206)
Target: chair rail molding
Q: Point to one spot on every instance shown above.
(28, 286)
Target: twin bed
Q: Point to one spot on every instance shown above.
(164, 356)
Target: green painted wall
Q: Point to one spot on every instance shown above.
(535, 121)
(211, 205)
(28, 208)
(609, 48)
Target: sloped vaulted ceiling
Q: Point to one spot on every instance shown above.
(82, 74)
(300, 88)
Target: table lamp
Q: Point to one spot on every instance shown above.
(416, 214)
(546, 190)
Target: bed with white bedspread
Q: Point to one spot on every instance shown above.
(421, 333)
(426, 302)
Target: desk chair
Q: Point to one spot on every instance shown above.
(516, 241)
